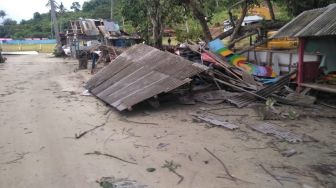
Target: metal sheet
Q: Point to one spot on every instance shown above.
(215, 121)
(89, 27)
(277, 131)
(316, 22)
(139, 74)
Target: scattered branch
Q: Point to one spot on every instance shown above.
(269, 173)
(20, 157)
(137, 122)
(78, 136)
(107, 111)
(172, 168)
(223, 165)
(229, 176)
(111, 156)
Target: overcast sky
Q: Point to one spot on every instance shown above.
(24, 9)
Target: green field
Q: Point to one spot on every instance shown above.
(42, 48)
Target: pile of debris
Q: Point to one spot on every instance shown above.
(140, 73)
(210, 75)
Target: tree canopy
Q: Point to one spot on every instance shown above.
(148, 17)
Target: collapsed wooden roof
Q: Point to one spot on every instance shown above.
(139, 74)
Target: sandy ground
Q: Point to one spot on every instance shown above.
(42, 109)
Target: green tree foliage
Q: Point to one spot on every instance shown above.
(9, 21)
(9, 26)
(36, 16)
(75, 6)
(2, 14)
(152, 16)
(295, 7)
(62, 9)
(136, 17)
(147, 17)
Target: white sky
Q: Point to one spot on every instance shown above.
(24, 9)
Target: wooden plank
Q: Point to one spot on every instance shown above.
(123, 82)
(148, 91)
(320, 87)
(133, 87)
(151, 62)
(119, 64)
(116, 77)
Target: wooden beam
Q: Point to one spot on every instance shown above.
(319, 87)
(300, 65)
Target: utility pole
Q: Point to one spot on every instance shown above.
(55, 26)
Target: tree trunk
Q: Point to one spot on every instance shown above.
(200, 16)
(55, 25)
(270, 8)
(240, 21)
(157, 32)
(157, 23)
(269, 26)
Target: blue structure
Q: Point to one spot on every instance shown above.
(51, 41)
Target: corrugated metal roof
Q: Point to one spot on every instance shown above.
(316, 22)
(139, 74)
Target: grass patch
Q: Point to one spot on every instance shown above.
(220, 17)
(42, 48)
(173, 41)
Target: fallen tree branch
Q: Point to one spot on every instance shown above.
(269, 25)
(109, 155)
(137, 122)
(78, 136)
(242, 37)
(230, 177)
(20, 157)
(172, 168)
(179, 175)
(253, 46)
(107, 111)
(223, 165)
(269, 173)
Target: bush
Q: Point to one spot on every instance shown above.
(195, 32)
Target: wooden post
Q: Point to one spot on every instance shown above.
(290, 62)
(300, 65)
